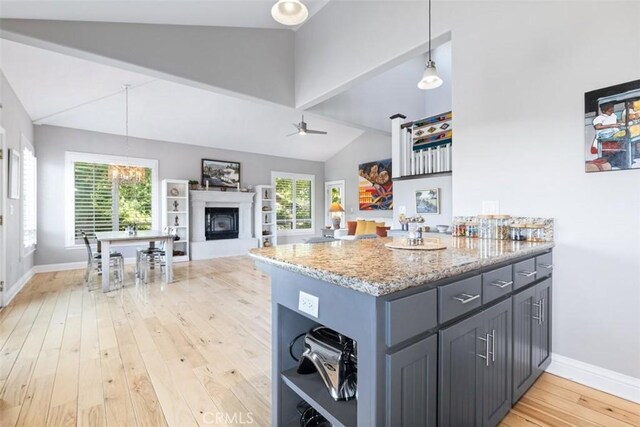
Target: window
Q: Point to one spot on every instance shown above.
(95, 203)
(294, 202)
(29, 193)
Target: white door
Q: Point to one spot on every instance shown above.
(334, 192)
(3, 201)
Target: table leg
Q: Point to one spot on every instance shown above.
(106, 265)
(168, 270)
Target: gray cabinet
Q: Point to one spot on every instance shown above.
(475, 368)
(412, 384)
(531, 335)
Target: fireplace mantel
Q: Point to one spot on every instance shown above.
(201, 248)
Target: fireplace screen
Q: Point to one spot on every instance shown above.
(221, 223)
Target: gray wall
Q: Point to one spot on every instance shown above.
(15, 122)
(178, 161)
(404, 193)
(368, 147)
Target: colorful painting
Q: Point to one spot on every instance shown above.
(432, 131)
(375, 187)
(428, 201)
(612, 128)
(220, 173)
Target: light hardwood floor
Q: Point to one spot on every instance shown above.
(196, 352)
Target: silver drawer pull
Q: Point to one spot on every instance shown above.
(465, 298)
(485, 356)
(501, 284)
(547, 266)
(526, 273)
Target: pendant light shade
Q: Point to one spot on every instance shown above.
(430, 78)
(289, 12)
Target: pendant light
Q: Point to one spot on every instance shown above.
(430, 78)
(123, 173)
(289, 12)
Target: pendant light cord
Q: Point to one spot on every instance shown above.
(429, 30)
(126, 121)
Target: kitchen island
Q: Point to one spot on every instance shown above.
(448, 337)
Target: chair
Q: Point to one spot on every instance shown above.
(94, 264)
(147, 258)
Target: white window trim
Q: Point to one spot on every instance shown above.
(310, 177)
(24, 142)
(327, 217)
(71, 157)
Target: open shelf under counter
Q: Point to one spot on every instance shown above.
(313, 391)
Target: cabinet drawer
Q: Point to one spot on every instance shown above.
(460, 297)
(496, 283)
(544, 265)
(409, 316)
(524, 273)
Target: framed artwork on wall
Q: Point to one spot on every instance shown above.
(220, 173)
(428, 201)
(375, 187)
(14, 174)
(612, 128)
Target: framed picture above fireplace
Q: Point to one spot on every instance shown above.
(220, 173)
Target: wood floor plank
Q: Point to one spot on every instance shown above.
(195, 352)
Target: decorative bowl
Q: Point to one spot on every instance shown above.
(442, 228)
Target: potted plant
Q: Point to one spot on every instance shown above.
(194, 185)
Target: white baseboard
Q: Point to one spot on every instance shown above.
(17, 287)
(611, 382)
(48, 268)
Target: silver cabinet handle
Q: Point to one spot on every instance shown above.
(526, 273)
(465, 298)
(542, 310)
(493, 345)
(485, 356)
(538, 306)
(501, 284)
(547, 266)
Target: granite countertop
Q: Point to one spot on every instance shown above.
(368, 266)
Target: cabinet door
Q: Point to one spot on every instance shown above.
(496, 381)
(462, 351)
(542, 334)
(412, 384)
(524, 310)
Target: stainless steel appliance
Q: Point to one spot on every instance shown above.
(334, 357)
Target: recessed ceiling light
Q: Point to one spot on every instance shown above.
(289, 12)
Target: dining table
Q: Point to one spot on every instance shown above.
(108, 238)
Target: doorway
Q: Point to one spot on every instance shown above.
(334, 192)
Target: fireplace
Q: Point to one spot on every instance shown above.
(220, 223)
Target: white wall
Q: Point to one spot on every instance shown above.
(404, 195)
(16, 122)
(177, 161)
(520, 70)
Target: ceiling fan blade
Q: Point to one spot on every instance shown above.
(316, 132)
(297, 126)
(295, 133)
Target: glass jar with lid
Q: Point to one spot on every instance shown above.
(518, 232)
(535, 232)
(485, 227)
(472, 229)
(502, 223)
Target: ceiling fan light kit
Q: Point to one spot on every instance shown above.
(430, 78)
(289, 12)
(302, 129)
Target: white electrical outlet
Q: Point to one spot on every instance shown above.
(490, 207)
(308, 303)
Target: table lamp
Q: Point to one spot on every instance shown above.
(335, 210)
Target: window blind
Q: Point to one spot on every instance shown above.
(93, 199)
(294, 205)
(29, 193)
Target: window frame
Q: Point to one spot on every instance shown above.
(295, 176)
(71, 157)
(26, 144)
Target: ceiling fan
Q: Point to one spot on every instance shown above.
(302, 129)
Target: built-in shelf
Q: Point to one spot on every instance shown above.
(176, 212)
(168, 214)
(313, 391)
(423, 175)
(263, 220)
(176, 197)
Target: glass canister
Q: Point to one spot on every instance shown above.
(472, 229)
(518, 232)
(502, 223)
(485, 227)
(535, 232)
(459, 229)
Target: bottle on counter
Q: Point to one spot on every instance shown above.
(486, 226)
(502, 228)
